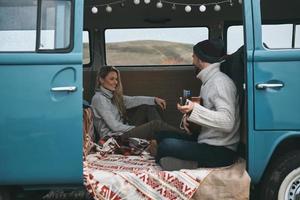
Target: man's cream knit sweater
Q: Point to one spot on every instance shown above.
(219, 116)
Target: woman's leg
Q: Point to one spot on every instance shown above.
(206, 155)
(143, 114)
(147, 131)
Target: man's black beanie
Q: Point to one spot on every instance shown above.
(210, 51)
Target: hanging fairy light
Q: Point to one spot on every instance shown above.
(108, 9)
(136, 2)
(174, 6)
(202, 8)
(159, 4)
(94, 10)
(217, 7)
(122, 4)
(188, 7)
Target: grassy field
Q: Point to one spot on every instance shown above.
(145, 52)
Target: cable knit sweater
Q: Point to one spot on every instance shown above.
(219, 116)
(107, 119)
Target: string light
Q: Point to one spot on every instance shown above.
(173, 7)
(94, 10)
(159, 4)
(217, 7)
(136, 2)
(202, 8)
(108, 9)
(188, 7)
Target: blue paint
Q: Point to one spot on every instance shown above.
(41, 130)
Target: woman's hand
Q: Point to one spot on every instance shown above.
(186, 108)
(162, 103)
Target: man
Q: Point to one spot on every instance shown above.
(219, 117)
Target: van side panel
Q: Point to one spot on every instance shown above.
(275, 108)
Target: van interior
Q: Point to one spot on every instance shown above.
(150, 42)
(151, 66)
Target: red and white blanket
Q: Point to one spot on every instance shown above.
(118, 177)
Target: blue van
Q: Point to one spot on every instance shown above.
(51, 50)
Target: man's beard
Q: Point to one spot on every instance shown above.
(196, 70)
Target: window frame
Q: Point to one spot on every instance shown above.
(143, 65)
(67, 49)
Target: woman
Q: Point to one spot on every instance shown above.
(110, 110)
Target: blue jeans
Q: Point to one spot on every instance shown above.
(186, 147)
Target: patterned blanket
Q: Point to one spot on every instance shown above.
(108, 176)
(118, 177)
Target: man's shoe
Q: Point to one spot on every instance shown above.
(172, 164)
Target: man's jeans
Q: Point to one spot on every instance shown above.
(186, 147)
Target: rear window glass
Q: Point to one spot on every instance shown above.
(86, 47)
(152, 46)
(297, 37)
(235, 38)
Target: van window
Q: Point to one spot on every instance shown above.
(86, 47)
(55, 32)
(279, 29)
(152, 46)
(235, 38)
(18, 31)
(277, 36)
(297, 37)
(274, 36)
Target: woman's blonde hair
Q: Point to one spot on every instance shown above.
(118, 93)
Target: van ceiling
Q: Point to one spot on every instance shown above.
(148, 15)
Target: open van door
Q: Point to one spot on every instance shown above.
(41, 92)
(275, 92)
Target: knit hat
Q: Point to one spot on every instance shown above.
(210, 51)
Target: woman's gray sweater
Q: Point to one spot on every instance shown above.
(107, 118)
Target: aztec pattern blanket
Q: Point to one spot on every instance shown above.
(119, 177)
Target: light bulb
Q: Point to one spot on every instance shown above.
(174, 7)
(147, 1)
(240, 1)
(122, 4)
(188, 8)
(217, 7)
(108, 8)
(159, 4)
(94, 10)
(202, 8)
(136, 2)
